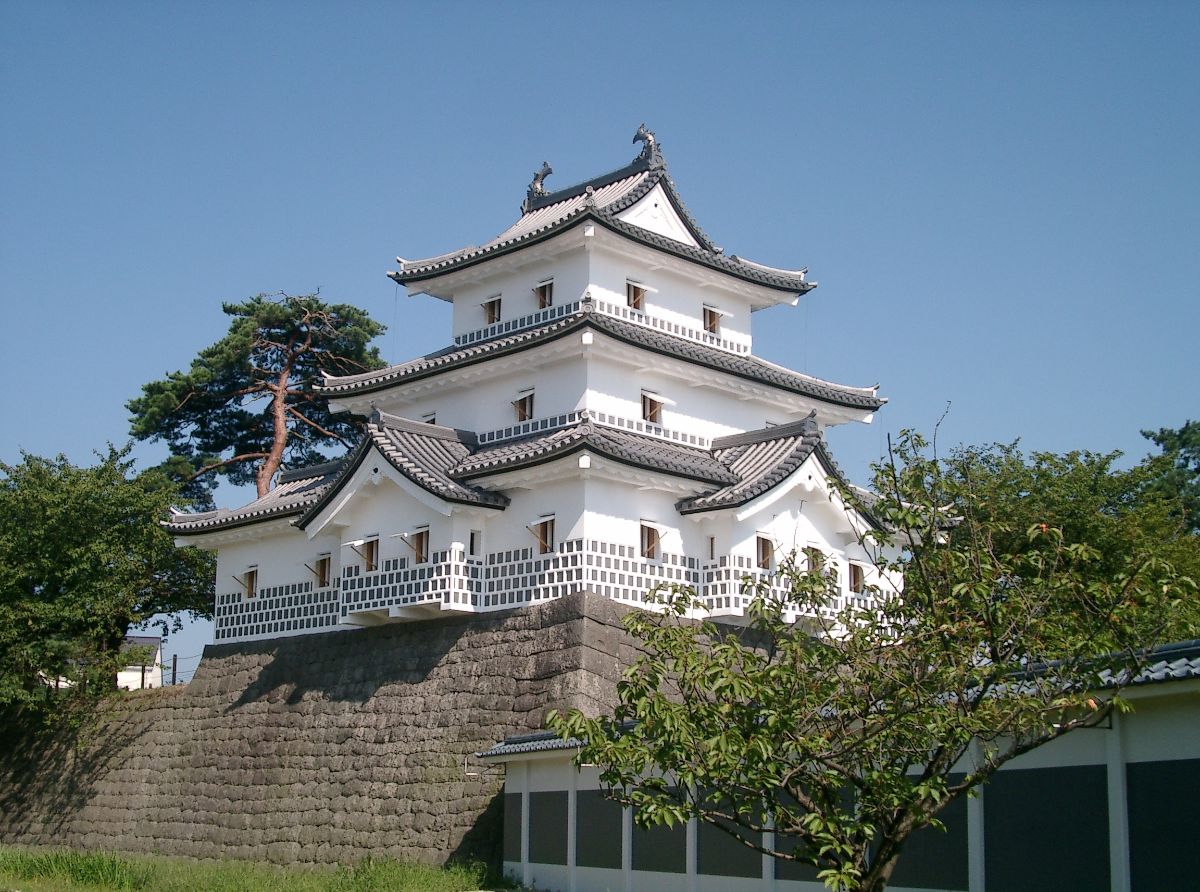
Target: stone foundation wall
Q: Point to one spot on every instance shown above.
(321, 748)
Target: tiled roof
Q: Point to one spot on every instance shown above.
(297, 489)
(1171, 662)
(540, 742)
(424, 453)
(619, 445)
(602, 199)
(740, 365)
(760, 460)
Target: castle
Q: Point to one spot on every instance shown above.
(599, 423)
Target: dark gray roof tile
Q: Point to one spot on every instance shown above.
(297, 490)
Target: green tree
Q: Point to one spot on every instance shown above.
(246, 405)
(1180, 478)
(83, 557)
(844, 733)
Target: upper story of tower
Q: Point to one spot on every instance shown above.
(626, 239)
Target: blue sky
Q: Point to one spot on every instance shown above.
(1001, 202)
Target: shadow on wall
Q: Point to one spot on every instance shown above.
(348, 667)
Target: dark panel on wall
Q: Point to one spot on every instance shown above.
(1163, 852)
(660, 848)
(597, 830)
(548, 827)
(792, 870)
(512, 826)
(719, 854)
(1047, 828)
(936, 859)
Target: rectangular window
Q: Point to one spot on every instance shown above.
(651, 408)
(523, 405)
(766, 553)
(543, 531)
(250, 582)
(635, 296)
(858, 581)
(544, 292)
(370, 555)
(321, 571)
(814, 558)
(712, 548)
(650, 542)
(474, 543)
(712, 320)
(418, 541)
(491, 310)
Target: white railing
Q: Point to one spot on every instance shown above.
(553, 422)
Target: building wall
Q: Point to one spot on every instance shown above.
(1101, 809)
(570, 274)
(321, 749)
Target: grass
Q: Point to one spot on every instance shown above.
(62, 870)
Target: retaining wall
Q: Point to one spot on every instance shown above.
(321, 748)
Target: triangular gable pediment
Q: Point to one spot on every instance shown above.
(655, 212)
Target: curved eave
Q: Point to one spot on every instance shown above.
(230, 522)
(755, 274)
(583, 445)
(570, 325)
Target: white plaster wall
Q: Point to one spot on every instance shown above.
(570, 275)
(281, 556)
(563, 499)
(615, 512)
(615, 388)
(487, 405)
(385, 510)
(674, 298)
(1163, 727)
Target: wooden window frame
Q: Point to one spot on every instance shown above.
(712, 319)
(543, 292)
(635, 295)
(418, 541)
(815, 558)
(250, 582)
(523, 405)
(543, 531)
(857, 578)
(764, 552)
(491, 310)
(651, 542)
(652, 409)
(324, 570)
(370, 555)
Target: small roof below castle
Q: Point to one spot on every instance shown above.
(296, 490)
(604, 199)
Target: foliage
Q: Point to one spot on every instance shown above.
(846, 731)
(1181, 476)
(246, 404)
(69, 870)
(82, 557)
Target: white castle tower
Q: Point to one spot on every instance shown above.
(599, 423)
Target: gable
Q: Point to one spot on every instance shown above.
(655, 213)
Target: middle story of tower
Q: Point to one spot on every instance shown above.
(598, 421)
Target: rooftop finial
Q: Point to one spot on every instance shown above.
(536, 189)
(650, 150)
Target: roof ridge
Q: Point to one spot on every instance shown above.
(805, 427)
(319, 470)
(423, 428)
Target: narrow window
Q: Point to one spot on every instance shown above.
(766, 553)
(370, 555)
(814, 559)
(712, 548)
(473, 543)
(250, 582)
(712, 320)
(857, 579)
(491, 310)
(650, 541)
(651, 409)
(544, 292)
(321, 571)
(523, 405)
(543, 531)
(418, 541)
(635, 296)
